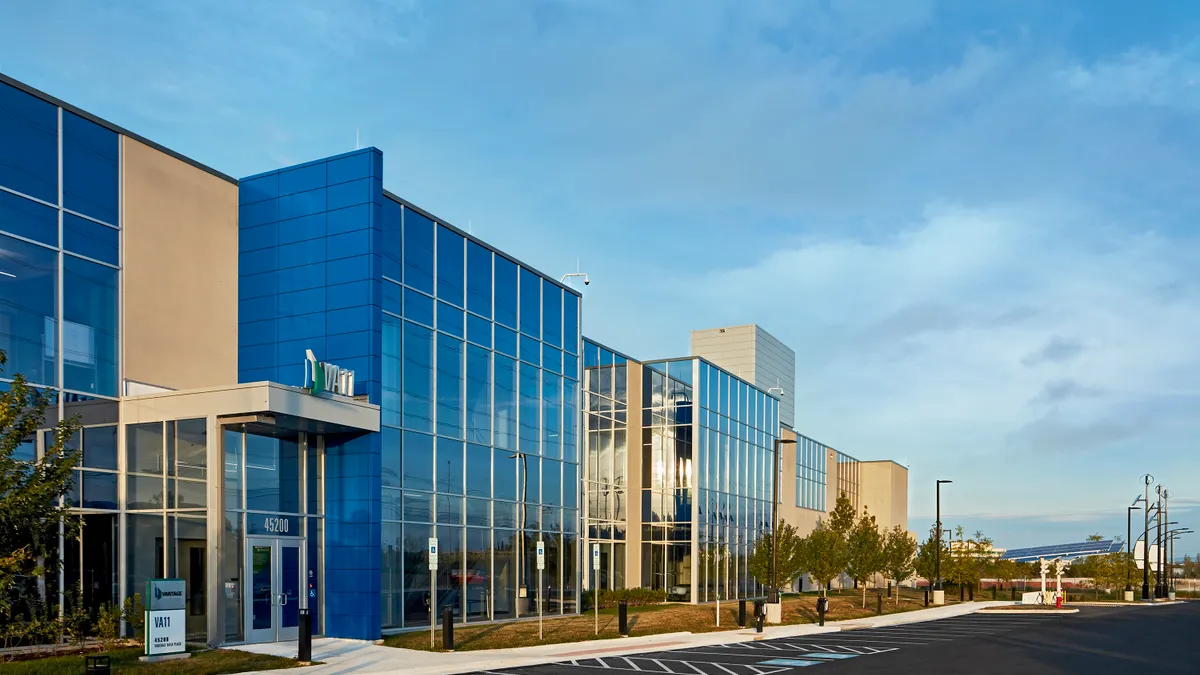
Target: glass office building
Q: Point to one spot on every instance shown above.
(606, 459)
(811, 473)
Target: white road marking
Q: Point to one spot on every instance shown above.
(629, 662)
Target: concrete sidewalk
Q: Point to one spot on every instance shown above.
(362, 657)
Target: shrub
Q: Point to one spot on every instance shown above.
(75, 620)
(108, 627)
(134, 613)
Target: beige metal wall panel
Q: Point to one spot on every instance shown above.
(180, 257)
(884, 491)
(754, 355)
(633, 470)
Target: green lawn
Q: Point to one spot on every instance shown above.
(212, 662)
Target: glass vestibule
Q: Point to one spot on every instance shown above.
(274, 503)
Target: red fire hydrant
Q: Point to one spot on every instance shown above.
(1058, 602)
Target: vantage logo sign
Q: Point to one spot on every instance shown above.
(326, 377)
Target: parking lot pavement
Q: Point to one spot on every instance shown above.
(783, 655)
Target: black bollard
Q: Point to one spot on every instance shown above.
(993, 592)
(926, 596)
(742, 613)
(821, 603)
(971, 592)
(760, 610)
(304, 649)
(447, 629)
(878, 603)
(962, 592)
(1013, 591)
(623, 618)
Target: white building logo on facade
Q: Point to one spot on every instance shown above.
(320, 377)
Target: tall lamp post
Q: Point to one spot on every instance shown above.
(1172, 535)
(775, 517)
(1147, 479)
(1129, 547)
(1158, 538)
(937, 561)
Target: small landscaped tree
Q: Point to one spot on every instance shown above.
(823, 555)
(899, 551)
(789, 562)
(864, 552)
(926, 562)
(31, 509)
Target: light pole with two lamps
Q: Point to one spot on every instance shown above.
(1129, 548)
(939, 595)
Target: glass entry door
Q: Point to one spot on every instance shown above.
(273, 595)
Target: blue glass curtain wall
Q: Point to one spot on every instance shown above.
(58, 234)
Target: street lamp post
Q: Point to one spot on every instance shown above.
(1158, 539)
(937, 561)
(775, 517)
(1162, 545)
(1129, 545)
(1147, 479)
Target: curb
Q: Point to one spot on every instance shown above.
(1030, 612)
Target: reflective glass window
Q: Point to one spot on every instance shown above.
(418, 377)
(89, 168)
(449, 319)
(28, 144)
(418, 506)
(551, 415)
(390, 242)
(100, 447)
(449, 469)
(418, 251)
(552, 482)
(27, 218)
(272, 474)
(99, 490)
(418, 461)
(449, 386)
(449, 512)
(28, 295)
(570, 323)
(144, 492)
(450, 265)
(531, 303)
(90, 327)
(531, 350)
(505, 403)
(479, 470)
(91, 239)
(479, 393)
(144, 447)
(552, 358)
(529, 426)
(505, 275)
(418, 307)
(391, 356)
(571, 420)
(479, 330)
(479, 279)
(393, 298)
(191, 448)
(505, 475)
(479, 512)
(552, 307)
(570, 366)
(506, 341)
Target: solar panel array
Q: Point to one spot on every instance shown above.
(1075, 550)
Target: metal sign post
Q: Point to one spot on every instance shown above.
(433, 565)
(541, 565)
(596, 583)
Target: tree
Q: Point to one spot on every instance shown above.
(1006, 571)
(789, 557)
(841, 518)
(864, 552)
(1107, 571)
(823, 555)
(1095, 537)
(926, 562)
(899, 550)
(31, 508)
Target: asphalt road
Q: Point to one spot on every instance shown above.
(1121, 640)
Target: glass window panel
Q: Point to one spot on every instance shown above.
(389, 456)
(91, 239)
(552, 307)
(504, 514)
(477, 582)
(479, 470)
(233, 468)
(529, 424)
(529, 478)
(570, 483)
(144, 492)
(99, 490)
(392, 248)
(191, 448)
(416, 575)
(27, 218)
(449, 572)
(505, 275)
(570, 323)
(418, 461)
(479, 330)
(505, 403)
(478, 396)
(551, 415)
(506, 341)
(449, 319)
(449, 510)
(531, 350)
(28, 297)
(531, 303)
(479, 279)
(505, 475)
(450, 386)
(450, 272)
(418, 307)
(393, 298)
(505, 573)
(418, 251)
(418, 377)
(144, 447)
(570, 421)
(272, 474)
(90, 327)
(418, 506)
(143, 550)
(28, 144)
(393, 508)
(89, 168)
(570, 366)
(100, 447)
(190, 494)
(552, 359)
(552, 482)
(449, 466)
(391, 382)
(479, 512)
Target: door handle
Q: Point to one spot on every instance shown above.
(282, 599)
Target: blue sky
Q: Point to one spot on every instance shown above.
(975, 222)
